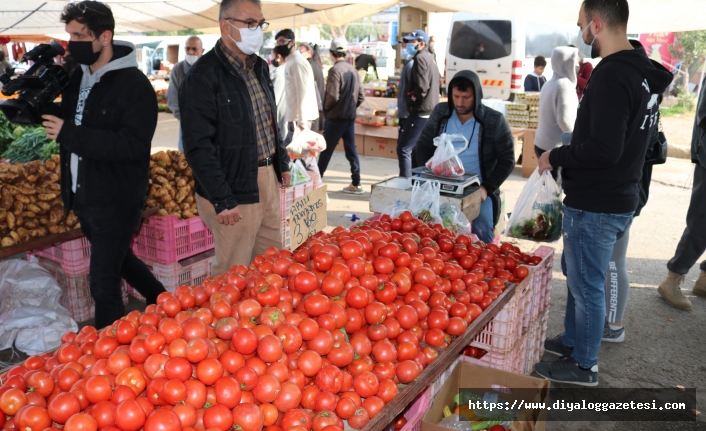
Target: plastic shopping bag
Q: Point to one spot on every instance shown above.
(454, 219)
(538, 213)
(425, 201)
(395, 210)
(299, 174)
(306, 143)
(445, 161)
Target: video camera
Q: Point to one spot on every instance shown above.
(40, 85)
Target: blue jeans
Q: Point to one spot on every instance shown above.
(408, 137)
(333, 132)
(483, 225)
(588, 245)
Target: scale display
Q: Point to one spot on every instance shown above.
(454, 185)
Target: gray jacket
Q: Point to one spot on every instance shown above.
(698, 137)
(176, 77)
(558, 104)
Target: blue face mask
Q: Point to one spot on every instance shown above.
(411, 49)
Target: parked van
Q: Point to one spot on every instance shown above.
(171, 50)
(501, 50)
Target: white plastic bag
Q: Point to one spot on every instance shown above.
(445, 161)
(537, 216)
(454, 219)
(299, 174)
(306, 143)
(425, 201)
(395, 210)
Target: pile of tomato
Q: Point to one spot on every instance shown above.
(277, 345)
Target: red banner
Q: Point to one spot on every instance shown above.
(657, 47)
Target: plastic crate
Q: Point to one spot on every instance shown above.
(285, 234)
(416, 410)
(76, 292)
(535, 342)
(539, 281)
(166, 240)
(290, 194)
(74, 256)
(187, 272)
(512, 361)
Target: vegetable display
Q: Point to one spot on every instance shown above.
(31, 143)
(273, 345)
(30, 202)
(172, 186)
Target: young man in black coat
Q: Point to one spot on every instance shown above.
(109, 115)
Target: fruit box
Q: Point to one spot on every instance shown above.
(509, 387)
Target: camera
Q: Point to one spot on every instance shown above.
(38, 86)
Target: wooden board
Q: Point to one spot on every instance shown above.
(446, 357)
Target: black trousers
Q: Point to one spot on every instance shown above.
(113, 259)
(693, 241)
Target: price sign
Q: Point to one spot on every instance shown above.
(307, 217)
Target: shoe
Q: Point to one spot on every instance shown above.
(613, 335)
(567, 370)
(670, 290)
(354, 190)
(556, 347)
(700, 285)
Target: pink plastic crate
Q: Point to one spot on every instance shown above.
(285, 234)
(539, 281)
(512, 361)
(416, 410)
(535, 342)
(166, 240)
(291, 194)
(187, 272)
(74, 256)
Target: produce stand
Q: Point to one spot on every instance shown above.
(446, 357)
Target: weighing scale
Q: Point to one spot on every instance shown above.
(454, 185)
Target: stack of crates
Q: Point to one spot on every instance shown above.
(69, 263)
(287, 198)
(514, 339)
(178, 252)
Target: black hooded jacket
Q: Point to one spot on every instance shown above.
(604, 161)
(495, 145)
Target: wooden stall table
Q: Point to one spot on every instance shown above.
(529, 158)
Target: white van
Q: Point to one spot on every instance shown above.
(501, 50)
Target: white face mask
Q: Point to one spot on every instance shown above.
(250, 40)
(585, 49)
(191, 59)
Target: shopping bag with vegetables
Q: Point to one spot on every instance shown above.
(299, 174)
(305, 143)
(445, 161)
(425, 201)
(538, 213)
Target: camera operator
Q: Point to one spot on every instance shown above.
(109, 115)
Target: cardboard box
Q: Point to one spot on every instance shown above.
(508, 386)
(381, 142)
(359, 140)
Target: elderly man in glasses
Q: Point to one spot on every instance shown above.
(194, 50)
(232, 141)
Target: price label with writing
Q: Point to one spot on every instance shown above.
(307, 217)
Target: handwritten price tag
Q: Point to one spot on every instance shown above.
(308, 216)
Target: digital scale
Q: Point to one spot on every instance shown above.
(454, 185)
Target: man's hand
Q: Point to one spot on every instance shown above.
(53, 125)
(544, 164)
(286, 179)
(229, 217)
(483, 194)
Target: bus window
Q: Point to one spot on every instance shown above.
(493, 36)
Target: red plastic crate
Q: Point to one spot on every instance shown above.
(74, 256)
(187, 272)
(166, 240)
(76, 292)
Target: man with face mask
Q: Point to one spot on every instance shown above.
(194, 50)
(601, 169)
(109, 115)
(231, 139)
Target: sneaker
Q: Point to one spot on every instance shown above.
(567, 370)
(354, 190)
(556, 347)
(613, 335)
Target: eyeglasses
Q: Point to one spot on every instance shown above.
(83, 8)
(282, 42)
(251, 23)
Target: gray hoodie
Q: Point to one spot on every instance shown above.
(123, 57)
(558, 103)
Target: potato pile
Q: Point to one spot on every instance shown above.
(172, 185)
(30, 202)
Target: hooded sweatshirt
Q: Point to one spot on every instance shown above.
(558, 102)
(604, 161)
(123, 57)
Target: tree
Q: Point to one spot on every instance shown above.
(689, 47)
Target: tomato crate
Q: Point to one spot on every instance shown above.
(539, 280)
(416, 410)
(74, 256)
(166, 240)
(187, 272)
(76, 291)
(285, 234)
(535, 342)
(290, 194)
(512, 360)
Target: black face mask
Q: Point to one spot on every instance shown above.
(275, 63)
(82, 52)
(282, 50)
